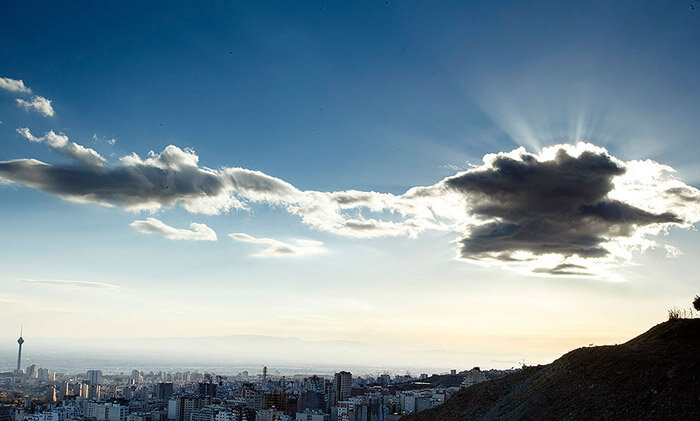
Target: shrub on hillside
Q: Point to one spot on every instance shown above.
(680, 313)
(674, 314)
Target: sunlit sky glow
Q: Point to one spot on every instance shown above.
(436, 185)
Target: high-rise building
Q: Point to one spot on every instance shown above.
(342, 385)
(62, 390)
(20, 341)
(181, 407)
(207, 389)
(94, 391)
(83, 390)
(128, 392)
(94, 376)
(252, 396)
(51, 394)
(310, 400)
(31, 371)
(164, 391)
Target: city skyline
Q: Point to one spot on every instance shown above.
(371, 183)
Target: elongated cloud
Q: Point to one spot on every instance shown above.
(163, 180)
(71, 283)
(14, 85)
(37, 103)
(197, 232)
(65, 147)
(277, 248)
(571, 210)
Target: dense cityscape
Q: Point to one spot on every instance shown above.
(349, 210)
(39, 394)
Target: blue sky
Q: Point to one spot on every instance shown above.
(374, 97)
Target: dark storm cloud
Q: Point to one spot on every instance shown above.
(558, 206)
(684, 194)
(565, 269)
(362, 225)
(353, 197)
(569, 210)
(130, 186)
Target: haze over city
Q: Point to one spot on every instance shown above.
(386, 185)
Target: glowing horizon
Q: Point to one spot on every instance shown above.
(426, 186)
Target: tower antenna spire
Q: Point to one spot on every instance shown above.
(20, 341)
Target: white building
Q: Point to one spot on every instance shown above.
(420, 400)
(311, 416)
(271, 415)
(208, 413)
(105, 411)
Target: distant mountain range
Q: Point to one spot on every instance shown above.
(227, 354)
(655, 376)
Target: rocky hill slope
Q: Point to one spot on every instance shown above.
(655, 376)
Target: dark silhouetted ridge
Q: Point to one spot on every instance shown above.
(655, 376)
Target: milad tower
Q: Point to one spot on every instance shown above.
(20, 341)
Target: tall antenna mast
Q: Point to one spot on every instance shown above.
(20, 341)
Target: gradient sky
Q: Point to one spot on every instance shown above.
(363, 97)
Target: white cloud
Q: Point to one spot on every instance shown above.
(585, 212)
(71, 283)
(14, 85)
(107, 140)
(63, 145)
(39, 104)
(24, 131)
(197, 232)
(672, 252)
(36, 102)
(277, 248)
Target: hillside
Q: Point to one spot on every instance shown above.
(436, 380)
(655, 376)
